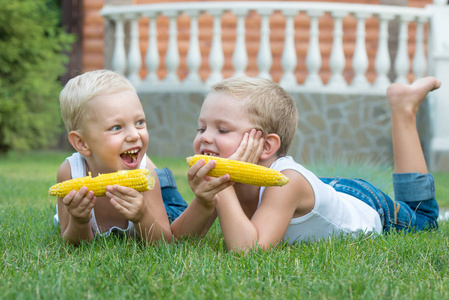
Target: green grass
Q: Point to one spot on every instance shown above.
(35, 263)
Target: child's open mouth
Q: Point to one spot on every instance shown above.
(130, 158)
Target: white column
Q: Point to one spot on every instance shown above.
(216, 56)
(264, 57)
(134, 56)
(118, 62)
(194, 53)
(419, 59)
(439, 104)
(360, 58)
(172, 55)
(402, 63)
(289, 59)
(382, 64)
(337, 58)
(313, 58)
(152, 56)
(240, 55)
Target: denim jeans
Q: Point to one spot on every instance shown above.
(414, 208)
(173, 201)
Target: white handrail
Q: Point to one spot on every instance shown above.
(130, 62)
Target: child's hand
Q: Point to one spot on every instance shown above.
(205, 187)
(250, 147)
(129, 202)
(79, 204)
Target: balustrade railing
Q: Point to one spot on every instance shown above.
(408, 64)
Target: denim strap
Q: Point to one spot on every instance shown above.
(166, 178)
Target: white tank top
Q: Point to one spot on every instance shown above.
(78, 169)
(333, 213)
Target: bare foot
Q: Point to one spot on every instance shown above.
(408, 98)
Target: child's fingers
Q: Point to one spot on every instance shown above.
(256, 148)
(73, 198)
(200, 169)
(208, 189)
(243, 147)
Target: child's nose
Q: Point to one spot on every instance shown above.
(132, 134)
(206, 137)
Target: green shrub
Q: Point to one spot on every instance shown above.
(31, 61)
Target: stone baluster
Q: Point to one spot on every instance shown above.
(118, 62)
(172, 55)
(216, 56)
(419, 59)
(240, 55)
(264, 57)
(194, 53)
(134, 57)
(313, 58)
(402, 63)
(337, 58)
(289, 59)
(382, 63)
(360, 58)
(152, 56)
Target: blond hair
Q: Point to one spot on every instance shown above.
(82, 88)
(268, 106)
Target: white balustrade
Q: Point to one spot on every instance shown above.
(134, 58)
(313, 58)
(216, 56)
(419, 59)
(152, 56)
(337, 59)
(360, 59)
(402, 63)
(194, 53)
(383, 61)
(264, 57)
(128, 61)
(119, 57)
(172, 56)
(289, 59)
(240, 56)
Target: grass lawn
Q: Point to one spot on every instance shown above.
(35, 263)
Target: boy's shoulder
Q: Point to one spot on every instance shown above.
(73, 166)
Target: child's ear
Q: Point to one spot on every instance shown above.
(77, 141)
(271, 145)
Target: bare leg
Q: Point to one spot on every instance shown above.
(404, 101)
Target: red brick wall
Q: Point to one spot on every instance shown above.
(93, 43)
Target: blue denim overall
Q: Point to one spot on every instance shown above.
(173, 201)
(414, 208)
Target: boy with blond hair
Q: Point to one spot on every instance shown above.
(106, 125)
(254, 120)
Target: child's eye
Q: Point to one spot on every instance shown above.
(223, 131)
(201, 130)
(115, 128)
(140, 123)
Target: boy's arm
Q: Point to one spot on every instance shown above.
(146, 210)
(268, 225)
(201, 213)
(74, 210)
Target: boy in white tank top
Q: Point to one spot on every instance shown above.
(106, 125)
(254, 120)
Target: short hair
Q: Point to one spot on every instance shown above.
(82, 88)
(268, 106)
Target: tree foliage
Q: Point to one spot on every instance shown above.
(31, 61)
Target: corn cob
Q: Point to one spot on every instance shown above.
(242, 172)
(139, 179)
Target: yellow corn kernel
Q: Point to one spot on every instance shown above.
(139, 179)
(242, 172)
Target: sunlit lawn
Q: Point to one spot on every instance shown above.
(35, 263)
